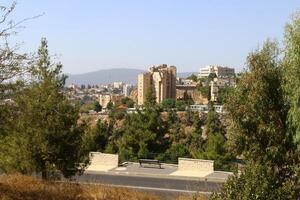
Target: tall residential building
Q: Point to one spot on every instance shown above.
(161, 80)
(218, 70)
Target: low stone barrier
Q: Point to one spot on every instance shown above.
(102, 161)
(194, 167)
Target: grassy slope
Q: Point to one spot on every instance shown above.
(19, 187)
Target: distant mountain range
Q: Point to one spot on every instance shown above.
(126, 75)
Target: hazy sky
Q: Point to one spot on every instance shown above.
(98, 34)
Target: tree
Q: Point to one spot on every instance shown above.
(12, 66)
(291, 75)
(258, 132)
(256, 181)
(110, 105)
(172, 116)
(128, 102)
(150, 99)
(194, 140)
(188, 116)
(213, 124)
(97, 107)
(181, 105)
(168, 103)
(223, 94)
(48, 121)
(205, 91)
(193, 77)
(214, 147)
(176, 151)
(143, 133)
(197, 123)
(98, 137)
(211, 77)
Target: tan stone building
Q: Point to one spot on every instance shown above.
(190, 91)
(104, 99)
(161, 80)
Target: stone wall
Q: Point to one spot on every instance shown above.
(196, 165)
(102, 161)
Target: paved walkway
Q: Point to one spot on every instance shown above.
(166, 171)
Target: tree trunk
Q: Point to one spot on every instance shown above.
(44, 175)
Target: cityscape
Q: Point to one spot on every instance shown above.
(150, 100)
(198, 89)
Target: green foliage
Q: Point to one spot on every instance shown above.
(86, 107)
(181, 105)
(168, 103)
(197, 123)
(211, 77)
(205, 91)
(292, 74)
(215, 144)
(176, 151)
(97, 107)
(257, 110)
(128, 102)
(213, 124)
(142, 132)
(110, 105)
(223, 94)
(172, 116)
(12, 65)
(98, 137)
(46, 135)
(188, 116)
(257, 181)
(257, 114)
(193, 77)
(176, 133)
(195, 142)
(117, 114)
(150, 97)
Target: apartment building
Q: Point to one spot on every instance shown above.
(218, 70)
(161, 80)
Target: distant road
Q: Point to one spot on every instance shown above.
(152, 184)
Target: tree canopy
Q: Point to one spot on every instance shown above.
(258, 132)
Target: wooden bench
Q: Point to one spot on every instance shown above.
(149, 161)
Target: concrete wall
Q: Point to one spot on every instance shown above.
(195, 165)
(98, 158)
(103, 161)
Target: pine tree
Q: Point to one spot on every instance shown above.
(48, 121)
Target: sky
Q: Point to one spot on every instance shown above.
(99, 34)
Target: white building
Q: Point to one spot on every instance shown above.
(127, 88)
(118, 85)
(218, 70)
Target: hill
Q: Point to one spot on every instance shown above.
(105, 76)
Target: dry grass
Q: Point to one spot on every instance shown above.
(19, 187)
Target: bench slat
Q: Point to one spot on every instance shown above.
(149, 161)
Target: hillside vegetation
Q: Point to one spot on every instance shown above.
(19, 187)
